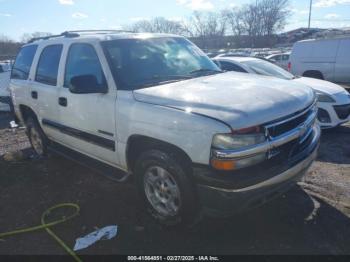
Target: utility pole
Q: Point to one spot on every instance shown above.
(310, 14)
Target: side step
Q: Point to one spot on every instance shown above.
(109, 171)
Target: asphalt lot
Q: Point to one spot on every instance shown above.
(312, 218)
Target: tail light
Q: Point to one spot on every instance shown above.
(289, 66)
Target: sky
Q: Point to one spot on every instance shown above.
(55, 16)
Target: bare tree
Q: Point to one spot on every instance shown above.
(27, 36)
(264, 18)
(235, 23)
(274, 15)
(158, 25)
(207, 24)
(8, 48)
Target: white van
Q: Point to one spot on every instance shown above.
(327, 59)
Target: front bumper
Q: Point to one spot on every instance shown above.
(224, 201)
(336, 114)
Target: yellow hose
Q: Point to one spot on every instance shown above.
(47, 226)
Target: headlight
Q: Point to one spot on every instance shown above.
(322, 97)
(236, 141)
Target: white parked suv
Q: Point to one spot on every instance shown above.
(156, 107)
(333, 100)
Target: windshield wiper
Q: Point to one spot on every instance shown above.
(205, 70)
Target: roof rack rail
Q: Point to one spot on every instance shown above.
(64, 34)
(99, 31)
(77, 33)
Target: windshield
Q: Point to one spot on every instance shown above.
(138, 63)
(262, 67)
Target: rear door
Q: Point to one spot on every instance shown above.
(342, 65)
(43, 88)
(87, 121)
(19, 83)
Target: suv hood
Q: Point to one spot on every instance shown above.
(240, 100)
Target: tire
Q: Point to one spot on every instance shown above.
(36, 137)
(166, 189)
(314, 74)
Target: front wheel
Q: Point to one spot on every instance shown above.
(166, 188)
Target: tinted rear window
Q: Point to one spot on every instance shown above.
(23, 62)
(48, 65)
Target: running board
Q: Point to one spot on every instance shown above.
(110, 172)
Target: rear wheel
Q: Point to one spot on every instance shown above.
(36, 137)
(314, 74)
(166, 188)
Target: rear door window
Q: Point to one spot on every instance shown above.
(23, 62)
(49, 61)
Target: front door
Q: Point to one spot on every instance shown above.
(87, 121)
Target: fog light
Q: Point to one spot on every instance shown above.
(323, 116)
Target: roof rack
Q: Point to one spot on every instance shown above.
(64, 34)
(77, 33)
(108, 31)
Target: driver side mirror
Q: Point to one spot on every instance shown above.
(86, 84)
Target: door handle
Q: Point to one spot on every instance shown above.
(34, 94)
(62, 101)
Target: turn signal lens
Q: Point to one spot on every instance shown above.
(226, 165)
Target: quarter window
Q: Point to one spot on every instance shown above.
(83, 60)
(48, 65)
(23, 62)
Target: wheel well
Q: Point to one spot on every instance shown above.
(313, 73)
(138, 144)
(26, 112)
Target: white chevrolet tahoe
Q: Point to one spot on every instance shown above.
(196, 140)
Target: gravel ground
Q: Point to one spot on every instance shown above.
(312, 218)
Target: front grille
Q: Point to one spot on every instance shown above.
(343, 111)
(294, 149)
(299, 148)
(284, 126)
